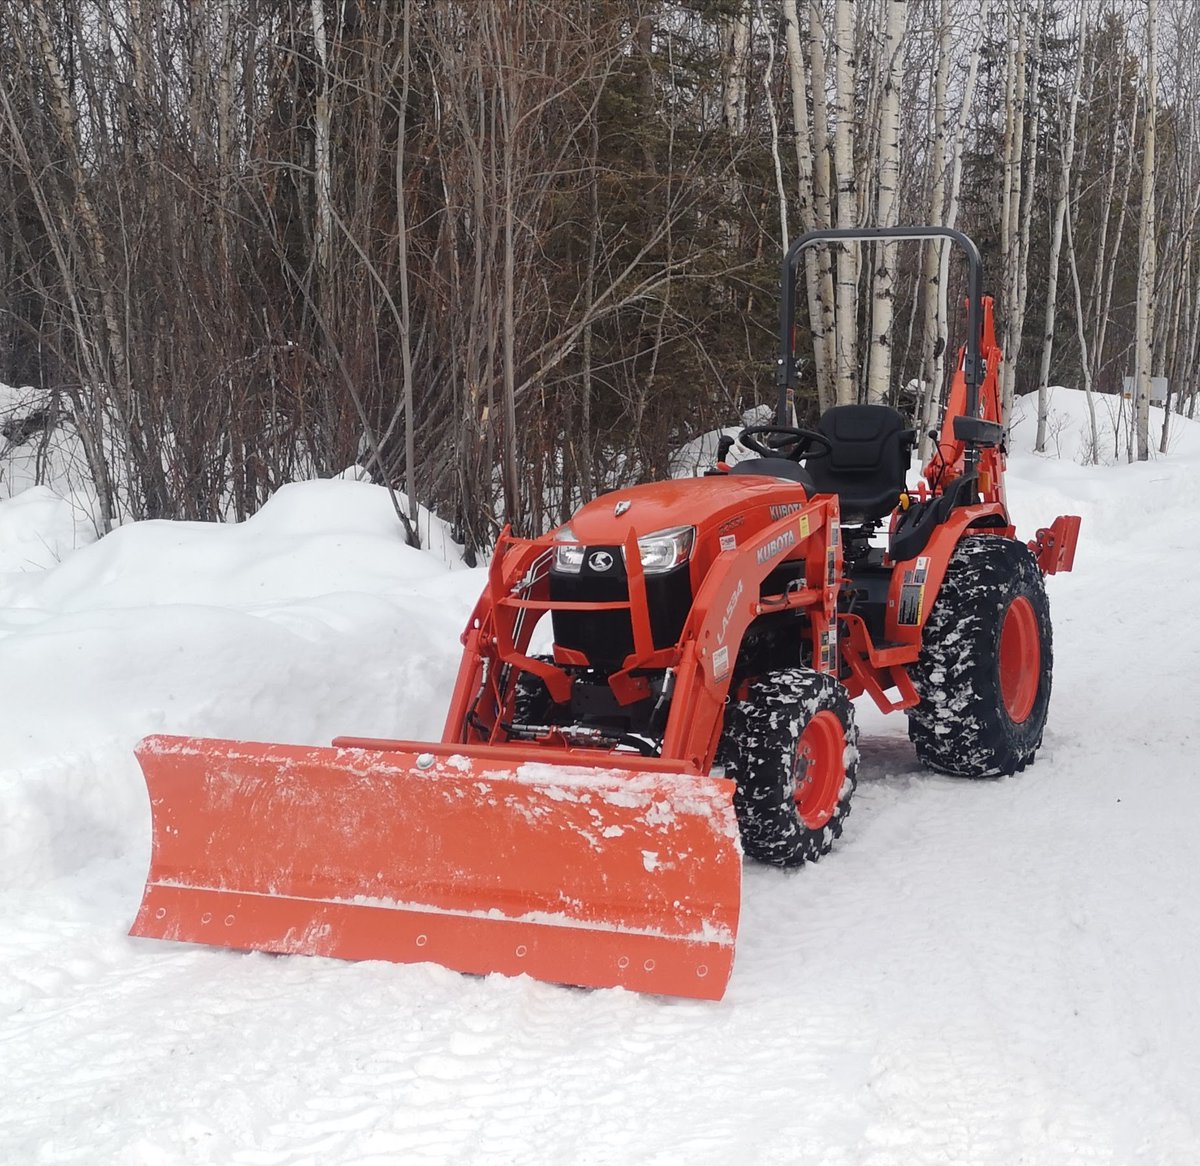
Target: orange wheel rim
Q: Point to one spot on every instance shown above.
(820, 769)
(1020, 659)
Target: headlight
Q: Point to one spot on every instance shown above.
(568, 556)
(665, 549)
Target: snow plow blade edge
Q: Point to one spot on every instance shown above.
(595, 877)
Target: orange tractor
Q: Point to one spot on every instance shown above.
(584, 817)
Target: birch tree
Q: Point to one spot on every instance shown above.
(1093, 447)
(822, 191)
(887, 206)
(948, 179)
(1016, 26)
(1062, 197)
(735, 87)
(1147, 257)
(818, 284)
(847, 260)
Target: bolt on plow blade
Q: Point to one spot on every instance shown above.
(626, 876)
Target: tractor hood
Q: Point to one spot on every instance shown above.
(704, 503)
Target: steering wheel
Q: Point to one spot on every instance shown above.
(794, 444)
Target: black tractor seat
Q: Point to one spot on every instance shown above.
(867, 467)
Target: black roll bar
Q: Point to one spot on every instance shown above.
(787, 373)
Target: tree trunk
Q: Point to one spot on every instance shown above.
(1060, 214)
(822, 257)
(1093, 450)
(406, 354)
(847, 262)
(935, 352)
(805, 170)
(887, 206)
(1146, 249)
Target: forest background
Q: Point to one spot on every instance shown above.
(505, 255)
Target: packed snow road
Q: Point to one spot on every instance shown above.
(981, 973)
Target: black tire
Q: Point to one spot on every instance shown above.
(984, 697)
(790, 721)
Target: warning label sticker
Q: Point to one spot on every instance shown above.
(828, 650)
(720, 663)
(804, 526)
(911, 598)
(728, 542)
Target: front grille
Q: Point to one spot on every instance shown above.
(606, 637)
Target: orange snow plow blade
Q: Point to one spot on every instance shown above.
(476, 858)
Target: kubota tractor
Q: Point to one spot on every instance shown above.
(584, 816)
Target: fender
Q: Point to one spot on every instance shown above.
(916, 582)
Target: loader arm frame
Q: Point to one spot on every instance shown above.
(701, 664)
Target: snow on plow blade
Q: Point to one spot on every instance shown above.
(471, 857)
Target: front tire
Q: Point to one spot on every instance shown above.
(792, 747)
(986, 663)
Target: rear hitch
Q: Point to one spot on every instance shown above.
(1054, 545)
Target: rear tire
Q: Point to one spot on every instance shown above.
(792, 747)
(986, 663)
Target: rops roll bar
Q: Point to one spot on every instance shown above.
(787, 373)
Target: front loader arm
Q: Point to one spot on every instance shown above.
(730, 599)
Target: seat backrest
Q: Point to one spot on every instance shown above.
(867, 467)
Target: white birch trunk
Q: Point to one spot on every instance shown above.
(1106, 268)
(1060, 214)
(769, 99)
(931, 254)
(847, 265)
(931, 392)
(887, 206)
(1014, 149)
(733, 106)
(1094, 439)
(822, 211)
(1146, 251)
(406, 348)
(1025, 227)
(735, 85)
(323, 228)
(806, 182)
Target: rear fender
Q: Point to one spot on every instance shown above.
(915, 582)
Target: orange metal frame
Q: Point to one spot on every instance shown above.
(727, 602)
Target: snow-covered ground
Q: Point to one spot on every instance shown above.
(981, 973)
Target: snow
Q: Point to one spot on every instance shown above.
(980, 973)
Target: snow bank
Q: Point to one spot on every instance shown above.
(1069, 432)
(39, 528)
(311, 619)
(47, 502)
